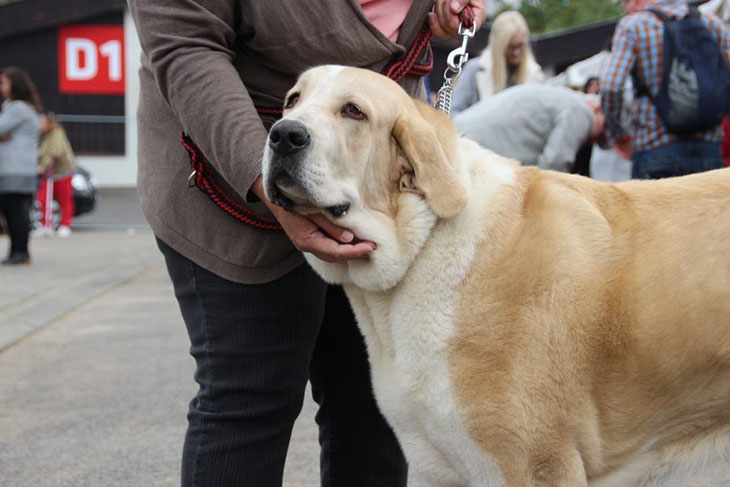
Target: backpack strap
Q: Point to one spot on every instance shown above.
(640, 87)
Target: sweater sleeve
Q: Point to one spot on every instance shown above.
(55, 147)
(572, 127)
(45, 155)
(10, 117)
(189, 45)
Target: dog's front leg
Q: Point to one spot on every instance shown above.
(560, 469)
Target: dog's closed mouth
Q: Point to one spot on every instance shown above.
(280, 200)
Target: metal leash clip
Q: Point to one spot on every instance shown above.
(454, 64)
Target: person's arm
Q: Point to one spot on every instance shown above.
(572, 128)
(51, 150)
(10, 118)
(614, 77)
(189, 44)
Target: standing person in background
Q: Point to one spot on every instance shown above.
(506, 61)
(56, 160)
(637, 45)
(19, 131)
(260, 321)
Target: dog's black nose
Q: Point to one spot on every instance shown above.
(288, 136)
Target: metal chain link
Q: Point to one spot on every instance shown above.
(454, 64)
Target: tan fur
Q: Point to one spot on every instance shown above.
(427, 139)
(581, 330)
(595, 320)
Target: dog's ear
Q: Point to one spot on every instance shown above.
(427, 139)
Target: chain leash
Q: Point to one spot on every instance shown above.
(454, 64)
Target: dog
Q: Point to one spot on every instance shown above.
(524, 327)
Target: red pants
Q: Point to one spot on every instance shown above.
(63, 193)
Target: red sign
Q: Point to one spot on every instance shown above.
(91, 59)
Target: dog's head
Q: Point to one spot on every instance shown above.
(354, 146)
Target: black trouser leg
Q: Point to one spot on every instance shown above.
(358, 446)
(253, 345)
(16, 208)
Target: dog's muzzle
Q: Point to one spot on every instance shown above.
(289, 137)
(288, 141)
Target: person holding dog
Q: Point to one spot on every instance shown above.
(260, 321)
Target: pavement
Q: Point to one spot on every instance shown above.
(95, 375)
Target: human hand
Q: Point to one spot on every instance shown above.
(623, 147)
(444, 20)
(315, 233)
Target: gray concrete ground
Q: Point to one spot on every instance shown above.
(94, 371)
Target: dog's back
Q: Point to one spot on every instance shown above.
(602, 312)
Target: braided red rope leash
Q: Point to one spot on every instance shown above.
(396, 70)
(204, 181)
(399, 69)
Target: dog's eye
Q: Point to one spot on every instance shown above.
(352, 111)
(291, 101)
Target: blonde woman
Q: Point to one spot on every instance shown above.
(507, 61)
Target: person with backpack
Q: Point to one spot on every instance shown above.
(679, 62)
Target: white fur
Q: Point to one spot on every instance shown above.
(702, 463)
(407, 334)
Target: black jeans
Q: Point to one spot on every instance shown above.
(255, 346)
(16, 208)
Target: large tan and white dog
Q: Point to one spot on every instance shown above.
(524, 327)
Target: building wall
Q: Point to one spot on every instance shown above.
(121, 171)
(102, 127)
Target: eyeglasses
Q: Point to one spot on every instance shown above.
(516, 47)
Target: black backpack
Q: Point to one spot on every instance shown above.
(694, 93)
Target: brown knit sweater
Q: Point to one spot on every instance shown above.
(207, 65)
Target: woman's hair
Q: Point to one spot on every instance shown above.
(506, 25)
(22, 87)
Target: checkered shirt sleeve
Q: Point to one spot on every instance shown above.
(615, 75)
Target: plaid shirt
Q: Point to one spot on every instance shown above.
(638, 40)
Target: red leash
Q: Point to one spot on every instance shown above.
(395, 70)
(201, 177)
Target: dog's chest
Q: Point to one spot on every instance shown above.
(408, 348)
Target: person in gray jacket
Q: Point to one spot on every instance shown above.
(260, 321)
(537, 124)
(19, 134)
